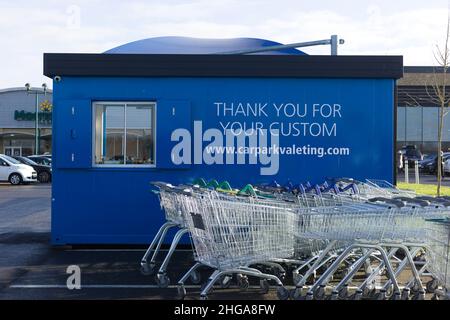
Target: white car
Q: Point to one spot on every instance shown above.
(15, 172)
(447, 167)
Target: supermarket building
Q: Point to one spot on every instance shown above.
(18, 121)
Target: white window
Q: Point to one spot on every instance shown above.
(124, 133)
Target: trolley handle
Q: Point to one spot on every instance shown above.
(317, 190)
(397, 203)
(200, 182)
(299, 189)
(441, 201)
(288, 186)
(349, 186)
(159, 183)
(422, 203)
(332, 188)
(213, 184)
(225, 185)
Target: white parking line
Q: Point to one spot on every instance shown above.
(121, 250)
(93, 286)
(104, 286)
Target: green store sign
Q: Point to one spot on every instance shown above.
(44, 117)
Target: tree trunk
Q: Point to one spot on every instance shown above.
(439, 155)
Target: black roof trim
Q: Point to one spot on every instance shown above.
(423, 69)
(203, 65)
(413, 96)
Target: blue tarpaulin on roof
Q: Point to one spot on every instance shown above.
(187, 45)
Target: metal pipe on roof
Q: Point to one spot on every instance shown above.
(333, 42)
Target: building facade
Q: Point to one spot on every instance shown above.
(418, 110)
(18, 121)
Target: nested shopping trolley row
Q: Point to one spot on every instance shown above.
(344, 239)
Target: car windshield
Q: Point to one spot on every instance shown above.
(12, 160)
(429, 157)
(43, 160)
(28, 161)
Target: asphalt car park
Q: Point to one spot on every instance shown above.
(30, 268)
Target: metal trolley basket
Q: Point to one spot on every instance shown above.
(438, 240)
(369, 228)
(229, 236)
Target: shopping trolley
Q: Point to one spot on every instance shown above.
(169, 200)
(369, 228)
(338, 206)
(231, 236)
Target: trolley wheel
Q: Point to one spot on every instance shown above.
(319, 293)
(432, 285)
(195, 277)
(396, 296)
(225, 282)
(372, 294)
(243, 283)
(264, 285)
(282, 293)
(147, 268)
(405, 294)
(181, 290)
(356, 296)
(162, 280)
(419, 295)
(296, 294)
(380, 296)
(309, 295)
(296, 277)
(334, 296)
(343, 293)
(203, 297)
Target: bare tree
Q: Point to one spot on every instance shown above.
(440, 96)
(437, 94)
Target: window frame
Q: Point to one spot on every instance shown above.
(151, 103)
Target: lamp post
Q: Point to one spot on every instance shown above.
(37, 92)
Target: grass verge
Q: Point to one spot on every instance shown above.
(425, 189)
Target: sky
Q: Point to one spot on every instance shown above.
(411, 28)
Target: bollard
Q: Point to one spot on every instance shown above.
(416, 171)
(406, 171)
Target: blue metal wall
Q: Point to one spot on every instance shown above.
(114, 205)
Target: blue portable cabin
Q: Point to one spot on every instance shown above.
(122, 119)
